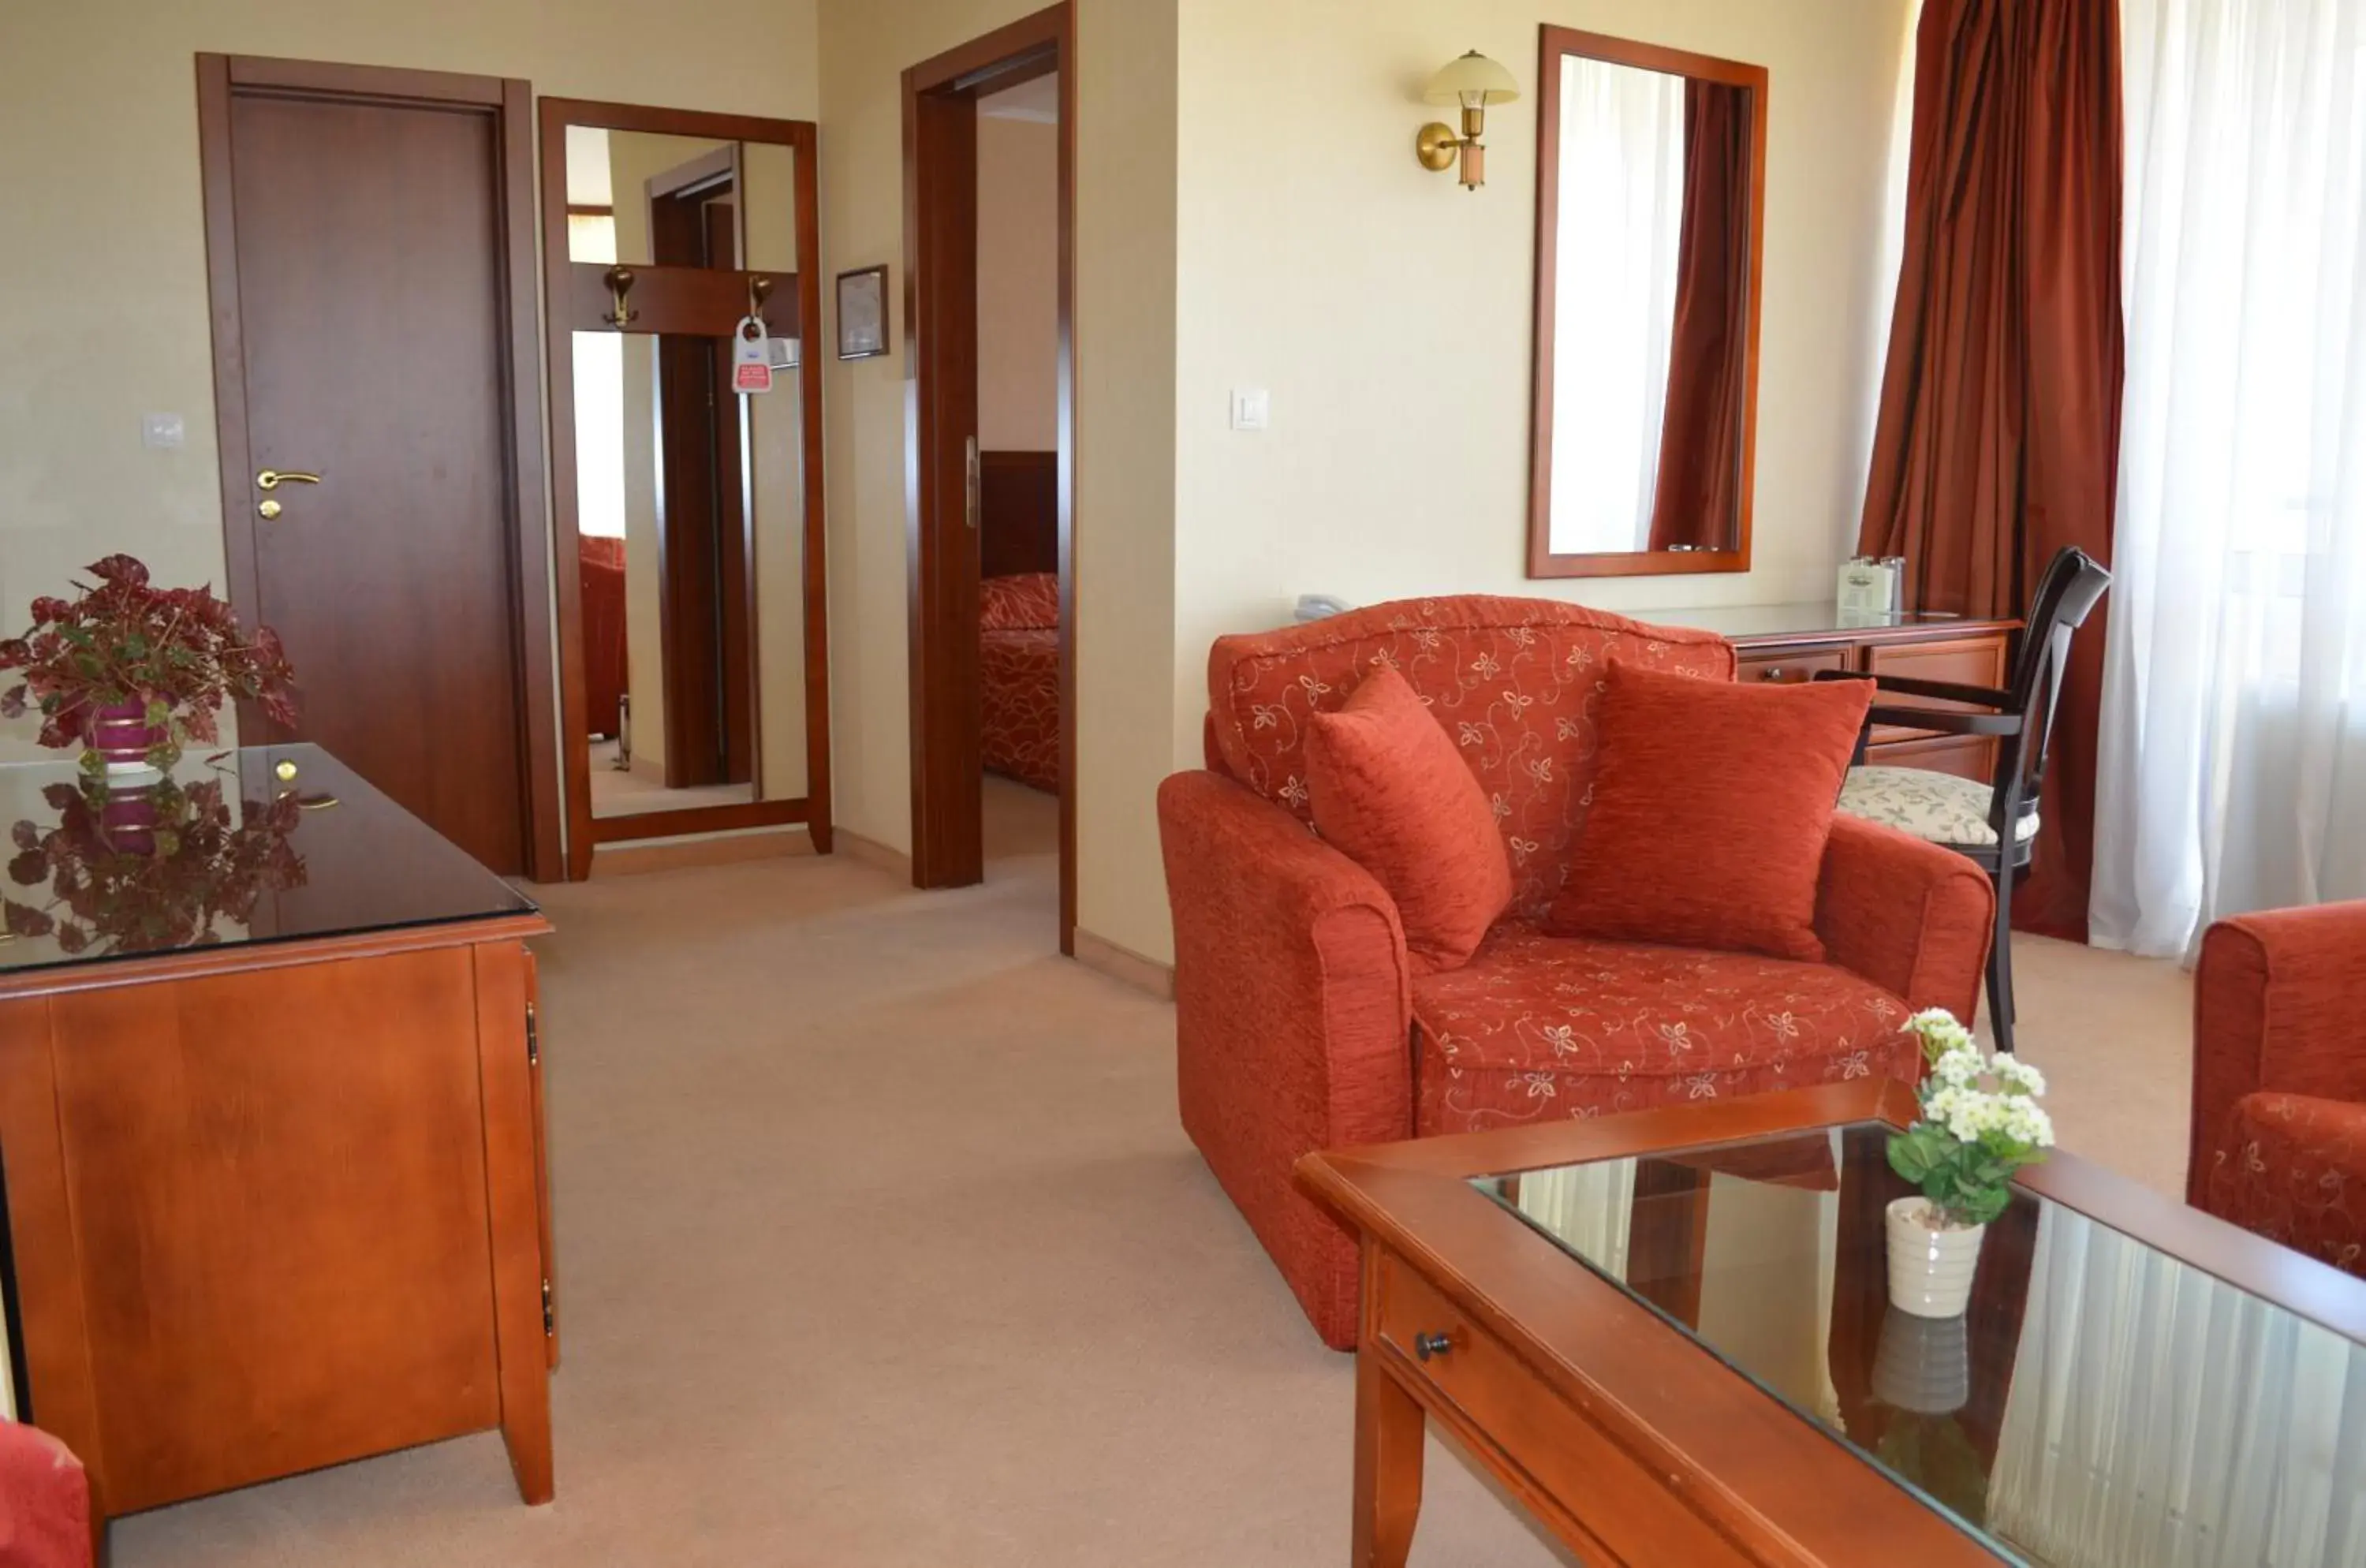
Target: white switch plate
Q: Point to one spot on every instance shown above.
(1252, 407)
(163, 432)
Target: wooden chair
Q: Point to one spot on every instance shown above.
(1993, 824)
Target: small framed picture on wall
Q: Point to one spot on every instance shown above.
(863, 313)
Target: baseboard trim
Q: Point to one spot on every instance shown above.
(628, 859)
(1124, 965)
(871, 852)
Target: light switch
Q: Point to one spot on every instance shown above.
(162, 431)
(1252, 407)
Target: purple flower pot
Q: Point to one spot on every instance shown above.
(129, 821)
(123, 736)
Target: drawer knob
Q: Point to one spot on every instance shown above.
(1426, 1345)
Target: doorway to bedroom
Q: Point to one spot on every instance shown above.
(988, 166)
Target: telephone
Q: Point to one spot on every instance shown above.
(1316, 606)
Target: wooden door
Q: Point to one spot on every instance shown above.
(367, 324)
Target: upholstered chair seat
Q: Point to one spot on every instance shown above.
(1938, 808)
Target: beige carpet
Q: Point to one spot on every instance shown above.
(879, 1246)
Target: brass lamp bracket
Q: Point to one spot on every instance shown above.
(1436, 146)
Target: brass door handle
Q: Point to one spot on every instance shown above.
(973, 484)
(271, 479)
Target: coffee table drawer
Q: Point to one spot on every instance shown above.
(1502, 1403)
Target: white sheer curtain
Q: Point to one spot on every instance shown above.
(1589, 1207)
(1621, 216)
(2159, 1418)
(2234, 728)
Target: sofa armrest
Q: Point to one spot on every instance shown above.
(44, 1501)
(2293, 1169)
(1292, 1017)
(1909, 916)
(1293, 948)
(2276, 1006)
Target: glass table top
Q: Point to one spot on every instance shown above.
(279, 843)
(2102, 1402)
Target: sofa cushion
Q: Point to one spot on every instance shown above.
(1938, 808)
(1392, 793)
(2293, 1169)
(1537, 1027)
(1710, 813)
(1514, 681)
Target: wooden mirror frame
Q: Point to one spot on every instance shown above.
(575, 298)
(1555, 44)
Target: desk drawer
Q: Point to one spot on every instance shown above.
(1598, 1483)
(1966, 661)
(1786, 665)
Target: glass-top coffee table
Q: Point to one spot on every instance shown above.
(1670, 1335)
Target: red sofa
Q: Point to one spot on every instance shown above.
(2278, 1134)
(44, 1502)
(1300, 1025)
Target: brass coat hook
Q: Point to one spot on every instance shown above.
(759, 290)
(619, 280)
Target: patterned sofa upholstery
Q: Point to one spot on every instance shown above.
(1300, 1024)
(2279, 1133)
(45, 1519)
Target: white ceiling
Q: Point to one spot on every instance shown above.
(1038, 100)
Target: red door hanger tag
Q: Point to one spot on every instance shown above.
(751, 366)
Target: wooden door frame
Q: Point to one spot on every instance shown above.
(687, 294)
(221, 77)
(940, 330)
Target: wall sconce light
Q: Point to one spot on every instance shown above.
(1474, 82)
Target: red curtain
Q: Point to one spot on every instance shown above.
(1700, 432)
(1999, 426)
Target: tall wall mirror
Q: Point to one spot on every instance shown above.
(680, 261)
(1651, 202)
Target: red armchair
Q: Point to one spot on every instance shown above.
(1300, 1026)
(2279, 1135)
(44, 1502)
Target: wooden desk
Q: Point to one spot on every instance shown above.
(1792, 642)
(278, 1201)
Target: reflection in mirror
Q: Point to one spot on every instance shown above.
(1645, 382)
(632, 196)
(686, 594)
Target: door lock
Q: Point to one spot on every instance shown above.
(269, 509)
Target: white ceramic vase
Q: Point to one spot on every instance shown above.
(1930, 1271)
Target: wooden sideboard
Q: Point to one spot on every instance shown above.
(1793, 642)
(277, 1200)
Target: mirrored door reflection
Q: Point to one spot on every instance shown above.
(689, 493)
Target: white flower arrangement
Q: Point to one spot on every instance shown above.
(1980, 1122)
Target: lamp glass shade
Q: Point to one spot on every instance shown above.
(1474, 82)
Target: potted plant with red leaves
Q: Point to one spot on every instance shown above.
(156, 887)
(130, 672)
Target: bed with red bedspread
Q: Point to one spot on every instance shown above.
(1019, 655)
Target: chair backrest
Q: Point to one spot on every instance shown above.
(2073, 584)
(1515, 682)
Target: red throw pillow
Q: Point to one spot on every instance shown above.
(1710, 813)
(1389, 789)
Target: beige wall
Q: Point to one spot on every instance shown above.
(1018, 285)
(1125, 473)
(1291, 231)
(1388, 310)
(105, 258)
